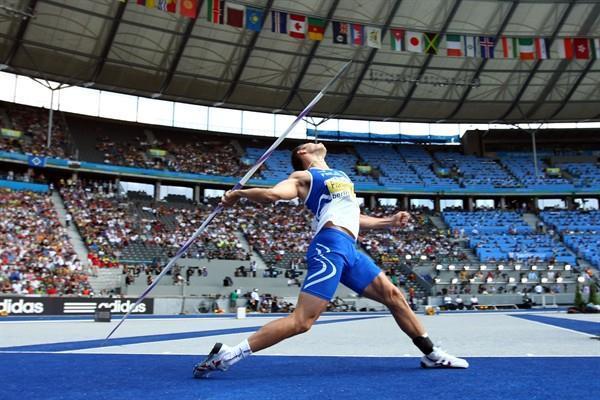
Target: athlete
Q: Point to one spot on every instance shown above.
(332, 258)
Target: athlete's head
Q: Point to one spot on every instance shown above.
(306, 154)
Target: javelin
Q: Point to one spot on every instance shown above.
(237, 186)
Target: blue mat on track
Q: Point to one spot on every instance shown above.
(156, 377)
(593, 328)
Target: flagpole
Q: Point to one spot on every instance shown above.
(237, 186)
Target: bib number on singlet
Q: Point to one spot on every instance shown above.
(340, 188)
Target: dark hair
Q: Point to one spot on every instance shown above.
(297, 163)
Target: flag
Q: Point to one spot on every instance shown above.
(215, 11)
(596, 49)
(397, 38)
(541, 48)
(297, 26)
(432, 42)
(189, 8)
(526, 49)
(508, 47)
(564, 48)
(254, 19)
(582, 48)
(278, 22)
(316, 28)
(235, 15)
(413, 41)
(470, 45)
(357, 34)
(36, 161)
(486, 46)
(373, 36)
(453, 46)
(167, 5)
(147, 3)
(340, 32)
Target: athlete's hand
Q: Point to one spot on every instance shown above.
(400, 219)
(230, 198)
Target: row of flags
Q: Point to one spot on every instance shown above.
(187, 8)
(344, 33)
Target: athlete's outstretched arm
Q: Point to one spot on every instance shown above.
(397, 220)
(284, 190)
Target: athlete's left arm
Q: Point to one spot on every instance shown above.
(398, 220)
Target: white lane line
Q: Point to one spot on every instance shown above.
(557, 327)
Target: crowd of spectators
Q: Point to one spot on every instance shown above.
(420, 241)
(33, 123)
(36, 256)
(201, 157)
(280, 233)
(111, 226)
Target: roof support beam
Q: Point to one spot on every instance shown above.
(584, 30)
(538, 63)
(309, 58)
(573, 89)
(187, 33)
(484, 61)
(109, 40)
(20, 34)
(424, 66)
(246, 56)
(370, 58)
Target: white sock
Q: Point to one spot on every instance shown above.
(237, 353)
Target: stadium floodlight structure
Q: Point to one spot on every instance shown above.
(237, 186)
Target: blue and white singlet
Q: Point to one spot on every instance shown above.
(331, 198)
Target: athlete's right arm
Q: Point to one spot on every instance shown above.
(285, 190)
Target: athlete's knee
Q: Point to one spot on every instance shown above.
(394, 297)
(303, 324)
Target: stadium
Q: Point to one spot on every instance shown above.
(409, 188)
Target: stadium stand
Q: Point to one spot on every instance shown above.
(580, 231)
(32, 122)
(475, 172)
(521, 166)
(36, 256)
(394, 170)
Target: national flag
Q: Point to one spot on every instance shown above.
(254, 19)
(316, 28)
(357, 34)
(486, 46)
(297, 26)
(397, 38)
(413, 41)
(541, 48)
(214, 10)
(167, 5)
(596, 49)
(470, 45)
(235, 15)
(508, 47)
(147, 3)
(564, 48)
(432, 42)
(340, 32)
(189, 8)
(279, 22)
(453, 46)
(373, 36)
(526, 49)
(582, 48)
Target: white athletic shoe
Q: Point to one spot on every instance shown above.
(214, 361)
(440, 359)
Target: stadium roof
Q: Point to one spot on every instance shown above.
(125, 47)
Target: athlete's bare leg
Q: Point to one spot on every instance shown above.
(307, 311)
(384, 292)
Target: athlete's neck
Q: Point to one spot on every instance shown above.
(319, 163)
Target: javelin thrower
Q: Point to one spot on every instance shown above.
(332, 258)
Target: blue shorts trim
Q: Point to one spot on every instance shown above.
(332, 258)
